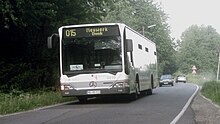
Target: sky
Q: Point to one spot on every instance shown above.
(184, 13)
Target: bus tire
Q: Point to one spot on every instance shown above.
(134, 96)
(150, 91)
(152, 81)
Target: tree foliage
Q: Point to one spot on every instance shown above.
(139, 14)
(199, 46)
(27, 64)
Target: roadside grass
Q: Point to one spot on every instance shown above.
(211, 90)
(11, 103)
(199, 79)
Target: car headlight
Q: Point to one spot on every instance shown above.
(161, 81)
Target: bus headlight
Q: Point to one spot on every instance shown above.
(66, 87)
(62, 87)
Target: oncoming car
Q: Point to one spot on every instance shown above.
(166, 80)
(181, 78)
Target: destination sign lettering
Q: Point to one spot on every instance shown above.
(95, 31)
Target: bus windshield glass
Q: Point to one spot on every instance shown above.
(82, 55)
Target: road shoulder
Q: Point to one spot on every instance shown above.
(205, 111)
(36, 109)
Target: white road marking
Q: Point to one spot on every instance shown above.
(185, 107)
(37, 109)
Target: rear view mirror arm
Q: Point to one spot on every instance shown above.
(50, 40)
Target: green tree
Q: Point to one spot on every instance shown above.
(141, 14)
(198, 47)
(26, 62)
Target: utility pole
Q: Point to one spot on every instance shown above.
(142, 30)
(218, 62)
(218, 65)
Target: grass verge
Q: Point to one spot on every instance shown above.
(198, 79)
(211, 90)
(10, 103)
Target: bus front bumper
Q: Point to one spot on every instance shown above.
(96, 92)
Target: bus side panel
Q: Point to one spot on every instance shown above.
(144, 58)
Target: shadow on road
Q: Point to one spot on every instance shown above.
(110, 100)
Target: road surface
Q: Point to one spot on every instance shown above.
(160, 108)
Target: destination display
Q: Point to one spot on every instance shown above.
(94, 31)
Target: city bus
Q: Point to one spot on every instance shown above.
(105, 59)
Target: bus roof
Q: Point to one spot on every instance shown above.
(96, 24)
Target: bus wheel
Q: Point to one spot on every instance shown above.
(134, 96)
(82, 99)
(150, 91)
(136, 93)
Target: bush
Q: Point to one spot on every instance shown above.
(200, 78)
(24, 77)
(10, 103)
(211, 90)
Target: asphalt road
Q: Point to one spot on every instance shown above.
(160, 108)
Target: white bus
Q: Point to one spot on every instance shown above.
(105, 59)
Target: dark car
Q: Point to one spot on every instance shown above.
(166, 80)
(181, 78)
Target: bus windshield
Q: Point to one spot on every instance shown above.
(91, 55)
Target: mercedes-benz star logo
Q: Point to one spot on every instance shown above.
(92, 84)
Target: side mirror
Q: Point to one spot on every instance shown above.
(129, 45)
(50, 40)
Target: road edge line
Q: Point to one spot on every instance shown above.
(37, 109)
(186, 106)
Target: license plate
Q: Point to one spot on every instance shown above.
(166, 83)
(94, 92)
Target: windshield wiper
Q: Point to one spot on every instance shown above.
(73, 73)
